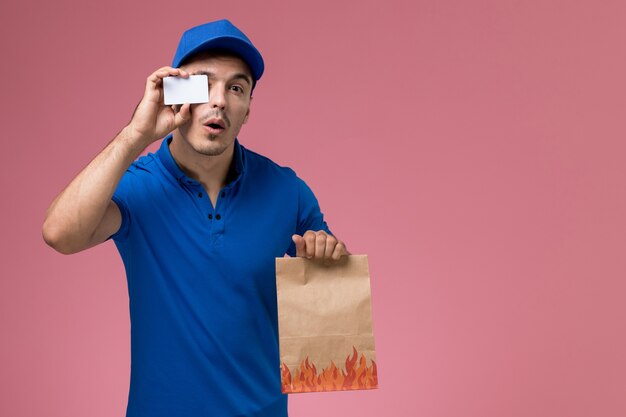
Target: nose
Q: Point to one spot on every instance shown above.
(217, 98)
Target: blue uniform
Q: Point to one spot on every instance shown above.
(201, 283)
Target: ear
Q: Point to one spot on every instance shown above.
(245, 119)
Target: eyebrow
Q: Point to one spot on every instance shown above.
(236, 76)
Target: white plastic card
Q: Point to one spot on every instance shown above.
(178, 90)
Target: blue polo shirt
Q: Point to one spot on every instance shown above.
(201, 284)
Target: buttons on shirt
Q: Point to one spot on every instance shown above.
(199, 195)
(217, 216)
(210, 216)
(223, 194)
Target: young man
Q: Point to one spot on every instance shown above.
(198, 225)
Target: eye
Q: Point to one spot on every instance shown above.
(237, 88)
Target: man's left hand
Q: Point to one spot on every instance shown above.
(319, 245)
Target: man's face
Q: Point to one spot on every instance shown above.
(215, 125)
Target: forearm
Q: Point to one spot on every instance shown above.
(80, 208)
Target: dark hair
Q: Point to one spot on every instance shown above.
(220, 52)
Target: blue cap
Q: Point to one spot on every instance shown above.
(223, 35)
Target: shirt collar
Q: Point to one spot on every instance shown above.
(165, 156)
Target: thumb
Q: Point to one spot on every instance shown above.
(183, 115)
(299, 241)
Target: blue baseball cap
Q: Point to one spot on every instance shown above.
(220, 34)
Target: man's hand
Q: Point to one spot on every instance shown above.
(152, 119)
(319, 245)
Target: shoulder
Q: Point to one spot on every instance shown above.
(279, 177)
(145, 169)
(258, 164)
(143, 176)
(144, 164)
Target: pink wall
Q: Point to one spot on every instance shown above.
(473, 149)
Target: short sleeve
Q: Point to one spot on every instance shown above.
(310, 217)
(120, 198)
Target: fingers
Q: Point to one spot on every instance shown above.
(309, 243)
(163, 72)
(319, 245)
(155, 81)
(183, 115)
(299, 242)
(339, 251)
(331, 244)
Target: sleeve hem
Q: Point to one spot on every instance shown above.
(123, 230)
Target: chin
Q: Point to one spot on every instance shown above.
(206, 144)
(212, 148)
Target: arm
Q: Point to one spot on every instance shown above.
(83, 214)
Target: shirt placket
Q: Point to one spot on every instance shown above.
(219, 214)
(215, 216)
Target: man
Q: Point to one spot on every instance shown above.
(198, 225)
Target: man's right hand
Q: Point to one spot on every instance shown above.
(152, 119)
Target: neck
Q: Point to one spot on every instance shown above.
(209, 170)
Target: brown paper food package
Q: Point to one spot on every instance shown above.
(325, 325)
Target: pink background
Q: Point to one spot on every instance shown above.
(473, 149)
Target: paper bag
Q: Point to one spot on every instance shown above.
(325, 325)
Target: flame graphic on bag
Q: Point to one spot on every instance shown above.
(307, 379)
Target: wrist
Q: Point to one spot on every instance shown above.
(134, 139)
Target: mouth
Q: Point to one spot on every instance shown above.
(215, 125)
